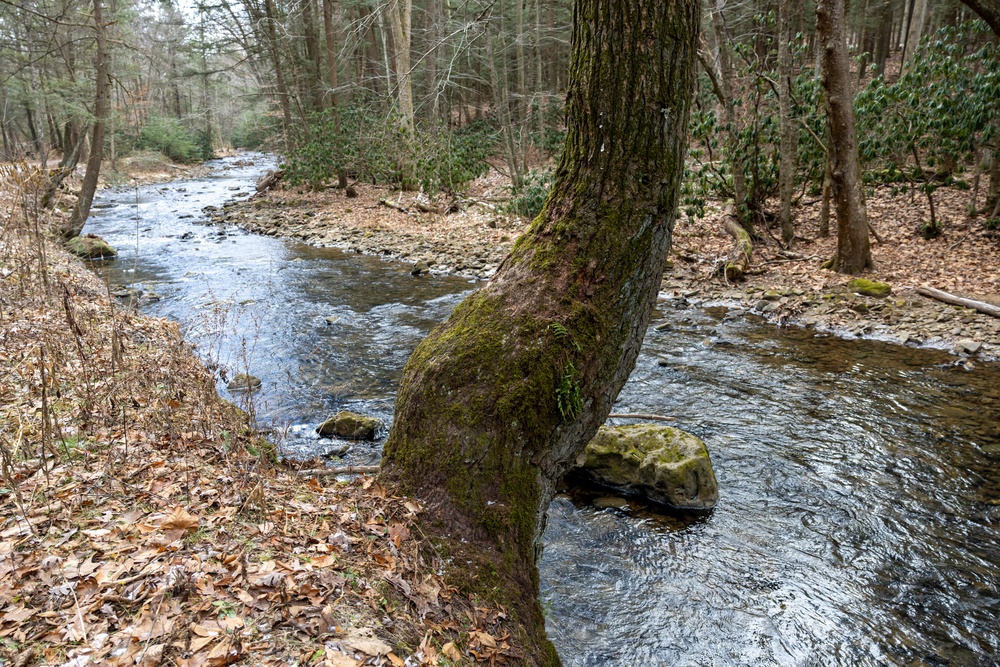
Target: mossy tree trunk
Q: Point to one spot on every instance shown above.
(853, 253)
(496, 403)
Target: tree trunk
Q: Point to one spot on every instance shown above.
(988, 10)
(883, 38)
(789, 134)
(102, 87)
(993, 197)
(727, 78)
(315, 68)
(496, 403)
(853, 248)
(331, 53)
(279, 73)
(400, 14)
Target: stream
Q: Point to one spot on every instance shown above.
(859, 512)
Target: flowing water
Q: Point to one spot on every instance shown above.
(859, 517)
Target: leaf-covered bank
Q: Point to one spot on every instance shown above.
(143, 522)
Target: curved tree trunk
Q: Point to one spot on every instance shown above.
(81, 211)
(496, 403)
(853, 246)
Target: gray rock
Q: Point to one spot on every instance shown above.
(420, 267)
(332, 319)
(350, 425)
(610, 502)
(337, 452)
(968, 346)
(660, 463)
(243, 382)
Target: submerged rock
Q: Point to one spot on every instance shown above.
(244, 382)
(869, 287)
(90, 246)
(661, 463)
(350, 425)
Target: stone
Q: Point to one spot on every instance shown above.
(968, 346)
(420, 267)
(337, 452)
(90, 246)
(660, 463)
(332, 319)
(866, 287)
(350, 425)
(244, 382)
(610, 502)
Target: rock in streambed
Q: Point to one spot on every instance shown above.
(660, 463)
(350, 425)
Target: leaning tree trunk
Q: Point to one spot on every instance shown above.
(102, 88)
(853, 248)
(496, 403)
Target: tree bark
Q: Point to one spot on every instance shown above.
(727, 80)
(496, 403)
(853, 247)
(789, 135)
(81, 210)
(279, 73)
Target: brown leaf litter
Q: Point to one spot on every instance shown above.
(142, 521)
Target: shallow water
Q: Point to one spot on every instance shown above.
(859, 518)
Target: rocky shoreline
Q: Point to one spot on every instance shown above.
(473, 242)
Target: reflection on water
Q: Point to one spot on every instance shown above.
(259, 304)
(857, 523)
(859, 482)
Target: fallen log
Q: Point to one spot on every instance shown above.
(739, 256)
(982, 307)
(340, 470)
(269, 180)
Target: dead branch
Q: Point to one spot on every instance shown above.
(987, 308)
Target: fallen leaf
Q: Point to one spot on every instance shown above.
(180, 519)
(451, 651)
(365, 641)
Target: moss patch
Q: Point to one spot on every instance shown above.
(869, 287)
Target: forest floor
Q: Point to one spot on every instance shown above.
(783, 287)
(143, 522)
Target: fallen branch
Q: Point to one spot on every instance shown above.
(739, 257)
(341, 470)
(393, 205)
(987, 308)
(657, 418)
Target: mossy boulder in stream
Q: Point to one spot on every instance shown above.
(350, 425)
(869, 287)
(90, 246)
(660, 463)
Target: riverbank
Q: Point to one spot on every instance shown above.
(142, 520)
(786, 288)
